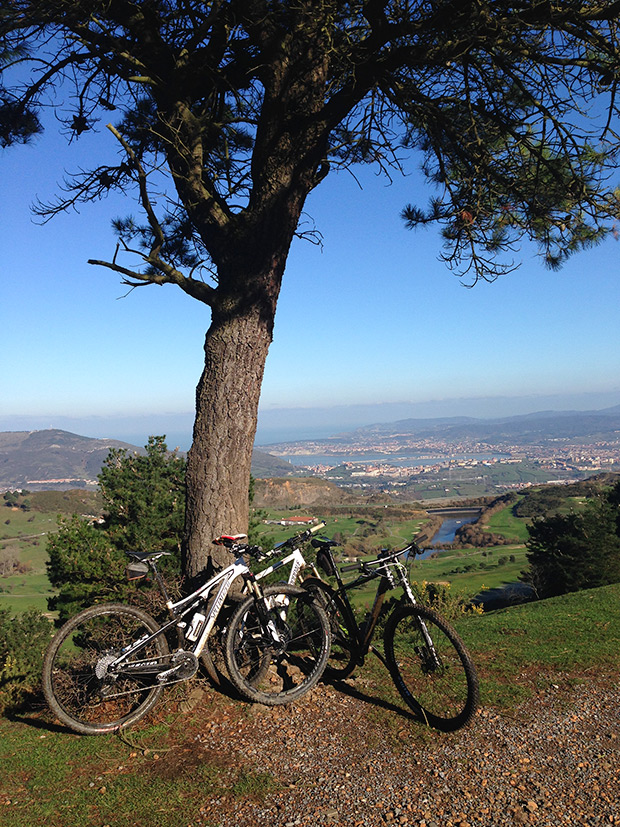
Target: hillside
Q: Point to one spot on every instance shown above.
(52, 458)
(59, 459)
(309, 491)
(524, 429)
(267, 465)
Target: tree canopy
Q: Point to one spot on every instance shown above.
(248, 100)
(227, 114)
(576, 551)
(144, 501)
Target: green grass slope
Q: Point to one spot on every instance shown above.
(155, 775)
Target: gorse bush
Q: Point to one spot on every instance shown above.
(440, 597)
(437, 596)
(23, 641)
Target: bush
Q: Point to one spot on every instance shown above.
(439, 597)
(84, 566)
(144, 497)
(23, 642)
(567, 553)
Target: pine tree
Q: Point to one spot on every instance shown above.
(567, 553)
(236, 110)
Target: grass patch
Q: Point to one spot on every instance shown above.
(506, 524)
(523, 648)
(53, 778)
(255, 785)
(162, 775)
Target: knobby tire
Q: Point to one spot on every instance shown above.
(269, 673)
(343, 655)
(441, 686)
(77, 685)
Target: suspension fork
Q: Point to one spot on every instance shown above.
(406, 586)
(266, 621)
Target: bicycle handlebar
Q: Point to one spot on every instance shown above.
(383, 558)
(298, 538)
(233, 543)
(351, 567)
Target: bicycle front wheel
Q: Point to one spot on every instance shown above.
(80, 688)
(431, 668)
(277, 651)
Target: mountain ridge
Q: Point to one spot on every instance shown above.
(53, 458)
(545, 425)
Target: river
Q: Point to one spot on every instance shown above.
(447, 530)
(507, 595)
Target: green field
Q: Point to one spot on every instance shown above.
(23, 534)
(390, 533)
(468, 571)
(505, 523)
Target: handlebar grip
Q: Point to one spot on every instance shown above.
(351, 567)
(318, 527)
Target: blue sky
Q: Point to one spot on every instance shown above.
(369, 319)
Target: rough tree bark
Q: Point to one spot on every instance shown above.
(219, 461)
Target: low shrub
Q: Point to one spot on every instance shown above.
(23, 642)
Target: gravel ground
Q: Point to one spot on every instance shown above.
(553, 761)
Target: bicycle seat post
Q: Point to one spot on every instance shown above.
(162, 586)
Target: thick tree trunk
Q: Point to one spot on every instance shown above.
(218, 469)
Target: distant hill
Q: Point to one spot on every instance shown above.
(525, 429)
(267, 465)
(52, 458)
(58, 459)
(305, 492)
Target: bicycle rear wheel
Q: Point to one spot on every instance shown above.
(431, 668)
(278, 661)
(342, 657)
(78, 685)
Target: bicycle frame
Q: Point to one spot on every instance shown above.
(394, 574)
(183, 607)
(296, 558)
(224, 580)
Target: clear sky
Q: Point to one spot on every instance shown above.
(371, 317)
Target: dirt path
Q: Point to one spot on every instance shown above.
(339, 759)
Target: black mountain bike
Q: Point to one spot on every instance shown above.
(426, 658)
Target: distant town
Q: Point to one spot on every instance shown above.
(402, 461)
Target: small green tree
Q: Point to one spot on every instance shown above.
(144, 498)
(570, 552)
(84, 566)
(23, 641)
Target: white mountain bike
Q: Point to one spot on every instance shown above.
(107, 666)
